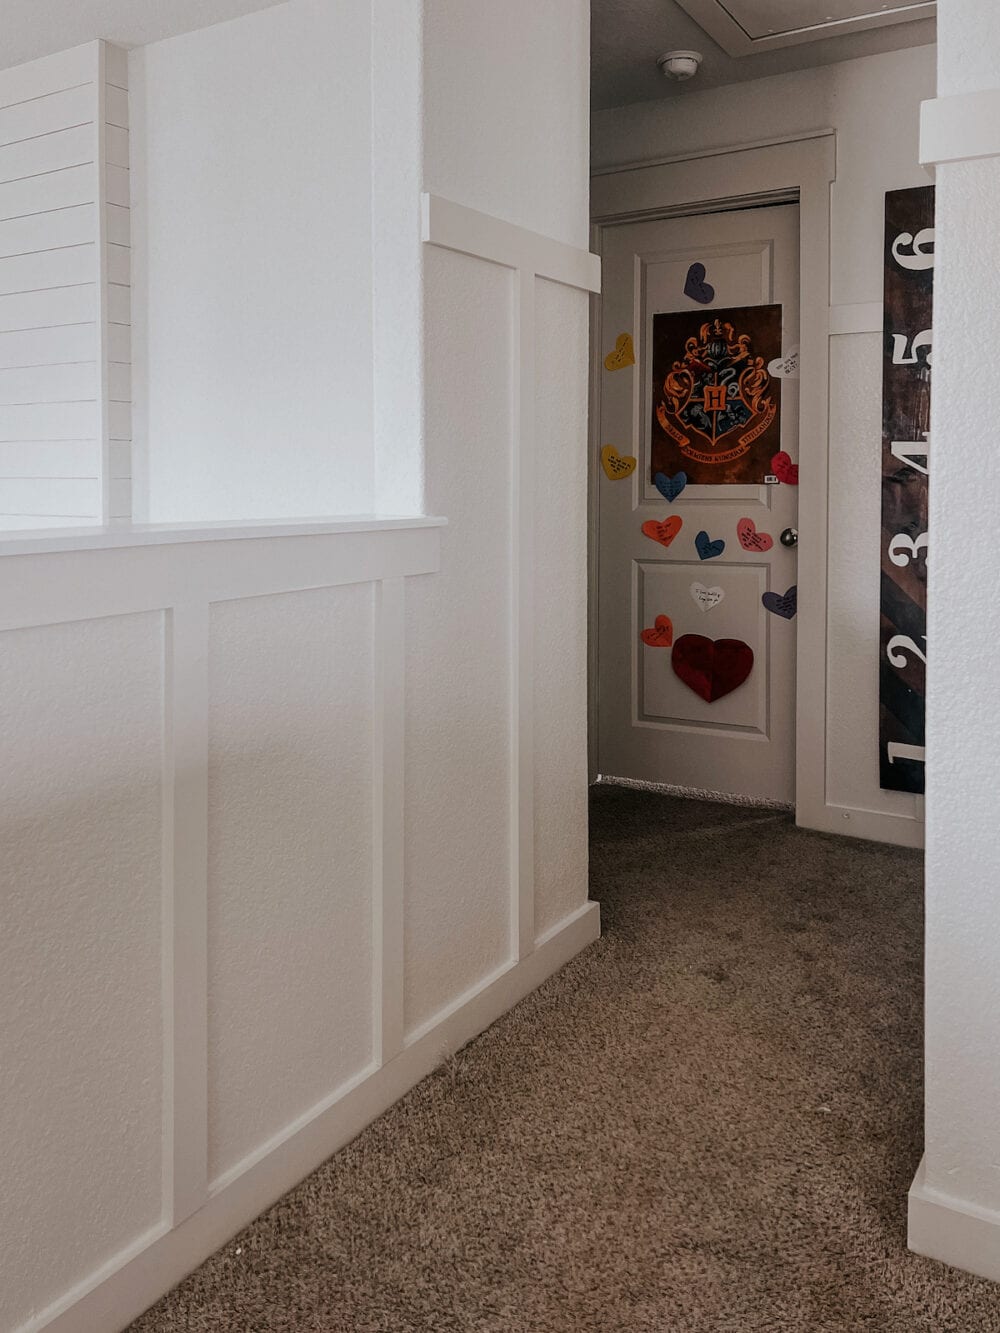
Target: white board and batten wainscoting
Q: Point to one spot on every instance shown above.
(220, 958)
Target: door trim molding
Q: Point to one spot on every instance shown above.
(720, 179)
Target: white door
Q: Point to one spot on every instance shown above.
(696, 589)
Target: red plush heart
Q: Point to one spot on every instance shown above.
(712, 668)
(664, 532)
(661, 636)
(784, 469)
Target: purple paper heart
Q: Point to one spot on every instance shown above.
(782, 605)
(706, 548)
(670, 487)
(696, 287)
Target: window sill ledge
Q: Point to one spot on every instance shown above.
(167, 534)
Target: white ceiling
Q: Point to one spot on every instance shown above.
(628, 35)
(31, 28)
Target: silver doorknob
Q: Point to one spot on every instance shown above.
(790, 537)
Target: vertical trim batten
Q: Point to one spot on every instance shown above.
(522, 799)
(185, 911)
(387, 821)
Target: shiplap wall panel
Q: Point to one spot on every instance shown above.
(67, 383)
(52, 346)
(48, 114)
(116, 141)
(65, 308)
(117, 107)
(290, 859)
(118, 222)
(117, 331)
(119, 303)
(119, 344)
(48, 307)
(40, 194)
(47, 152)
(49, 74)
(60, 458)
(49, 421)
(81, 736)
(67, 266)
(50, 497)
(48, 231)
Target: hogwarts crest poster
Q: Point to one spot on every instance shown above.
(716, 407)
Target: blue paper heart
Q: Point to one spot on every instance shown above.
(784, 606)
(670, 487)
(696, 287)
(707, 549)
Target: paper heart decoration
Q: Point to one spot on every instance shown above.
(623, 355)
(616, 465)
(706, 598)
(706, 548)
(670, 487)
(784, 605)
(750, 538)
(784, 469)
(664, 532)
(696, 287)
(786, 366)
(661, 635)
(712, 668)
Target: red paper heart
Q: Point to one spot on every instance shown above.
(750, 538)
(712, 668)
(784, 469)
(662, 636)
(664, 532)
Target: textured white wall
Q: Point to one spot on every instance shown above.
(873, 104)
(963, 850)
(251, 146)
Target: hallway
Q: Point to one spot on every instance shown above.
(708, 1121)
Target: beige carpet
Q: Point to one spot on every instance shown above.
(707, 1122)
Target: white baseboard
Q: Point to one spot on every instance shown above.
(953, 1231)
(150, 1266)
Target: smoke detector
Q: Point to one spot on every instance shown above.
(679, 65)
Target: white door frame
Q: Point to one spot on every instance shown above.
(797, 169)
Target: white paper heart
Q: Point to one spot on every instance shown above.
(785, 367)
(706, 598)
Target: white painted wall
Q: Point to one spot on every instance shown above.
(253, 267)
(258, 788)
(873, 104)
(489, 144)
(955, 1201)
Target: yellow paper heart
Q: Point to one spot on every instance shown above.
(623, 355)
(616, 466)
